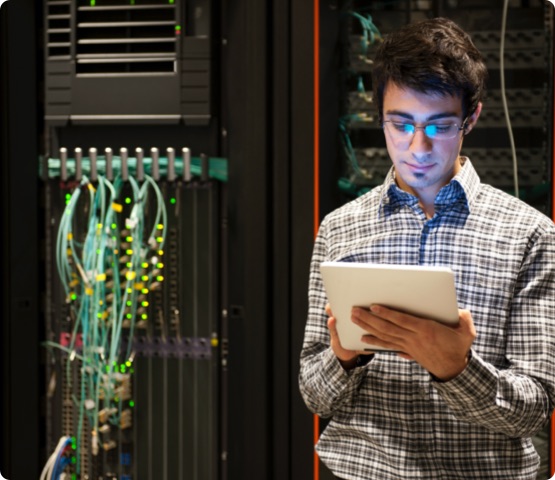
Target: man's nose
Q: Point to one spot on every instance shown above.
(420, 142)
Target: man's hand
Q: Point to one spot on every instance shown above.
(441, 349)
(347, 358)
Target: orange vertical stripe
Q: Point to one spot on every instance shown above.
(316, 174)
(552, 456)
(552, 442)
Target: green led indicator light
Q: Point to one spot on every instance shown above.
(129, 303)
(129, 316)
(93, 3)
(144, 264)
(127, 200)
(73, 460)
(173, 200)
(131, 403)
(144, 316)
(114, 226)
(73, 296)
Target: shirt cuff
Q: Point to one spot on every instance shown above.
(473, 386)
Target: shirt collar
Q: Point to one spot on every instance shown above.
(464, 187)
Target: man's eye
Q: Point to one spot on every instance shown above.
(441, 128)
(403, 127)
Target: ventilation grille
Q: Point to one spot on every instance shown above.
(58, 30)
(126, 37)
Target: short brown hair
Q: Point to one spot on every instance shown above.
(431, 56)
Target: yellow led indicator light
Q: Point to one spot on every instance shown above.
(130, 275)
(144, 316)
(99, 225)
(129, 251)
(116, 207)
(144, 303)
(144, 291)
(69, 252)
(70, 236)
(214, 342)
(89, 291)
(144, 264)
(160, 226)
(160, 265)
(144, 278)
(128, 363)
(128, 239)
(101, 277)
(159, 239)
(160, 252)
(129, 290)
(160, 278)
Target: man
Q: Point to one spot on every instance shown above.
(458, 402)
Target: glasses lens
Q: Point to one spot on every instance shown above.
(441, 131)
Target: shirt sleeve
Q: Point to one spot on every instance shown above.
(518, 399)
(324, 384)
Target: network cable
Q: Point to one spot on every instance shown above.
(103, 296)
(504, 96)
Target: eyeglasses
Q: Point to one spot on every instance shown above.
(434, 131)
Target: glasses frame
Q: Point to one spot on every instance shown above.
(408, 137)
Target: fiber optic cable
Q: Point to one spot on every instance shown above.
(85, 260)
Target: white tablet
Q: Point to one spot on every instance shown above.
(424, 291)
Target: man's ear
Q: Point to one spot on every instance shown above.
(471, 121)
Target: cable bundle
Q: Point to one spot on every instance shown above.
(109, 257)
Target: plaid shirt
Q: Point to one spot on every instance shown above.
(389, 418)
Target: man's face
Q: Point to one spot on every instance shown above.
(423, 165)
